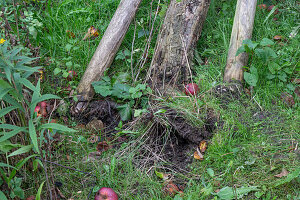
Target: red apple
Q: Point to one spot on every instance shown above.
(191, 89)
(43, 104)
(72, 75)
(105, 193)
(37, 110)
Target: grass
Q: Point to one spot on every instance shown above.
(254, 137)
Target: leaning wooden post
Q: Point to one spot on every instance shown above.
(241, 30)
(107, 48)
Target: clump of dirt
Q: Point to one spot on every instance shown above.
(173, 138)
(104, 110)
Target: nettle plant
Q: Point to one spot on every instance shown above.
(131, 98)
(21, 130)
(277, 69)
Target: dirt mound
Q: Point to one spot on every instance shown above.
(104, 110)
(173, 138)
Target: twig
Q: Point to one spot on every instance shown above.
(146, 51)
(132, 47)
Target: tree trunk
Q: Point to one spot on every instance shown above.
(175, 43)
(241, 30)
(108, 47)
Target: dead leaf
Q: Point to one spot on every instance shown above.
(198, 155)
(93, 156)
(92, 33)
(296, 80)
(203, 146)
(277, 37)
(217, 190)
(171, 189)
(287, 99)
(93, 139)
(103, 146)
(31, 198)
(262, 6)
(70, 34)
(60, 193)
(284, 172)
(68, 157)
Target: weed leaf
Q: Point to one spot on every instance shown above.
(230, 193)
(22, 150)
(33, 135)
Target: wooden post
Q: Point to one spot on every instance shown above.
(241, 30)
(107, 48)
(175, 43)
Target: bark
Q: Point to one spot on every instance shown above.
(241, 30)
(175, 43)
(107, 48)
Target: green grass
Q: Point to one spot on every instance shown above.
(245, 150)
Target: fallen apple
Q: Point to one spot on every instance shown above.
(37, 110)
(43, 104)
(106, 193)
(191, 89)
(72, 75)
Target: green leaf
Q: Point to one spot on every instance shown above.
(19, 192)
(139, 112)
(56, 71)
(240, 50)
(210, 172)
(266, 42)
(121, 91)
(103, 90)
(270, 53)
(230, 193)
(58, 127)
(22, 150)
(7, 135)
(253, 70)
(69, 64)
(270, 76)
(32, 31)
(33, 135)
(12, 101)
(125, 112)
(250, 44)
(3, 92)
(282, 76)
(6, 165)
(38, 195)
(251, 79)
(273, 67)
(159, 174)
(6, 146)
(2, 196)
(27, 83)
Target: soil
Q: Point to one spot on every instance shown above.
(104, 110)
(175, 139)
